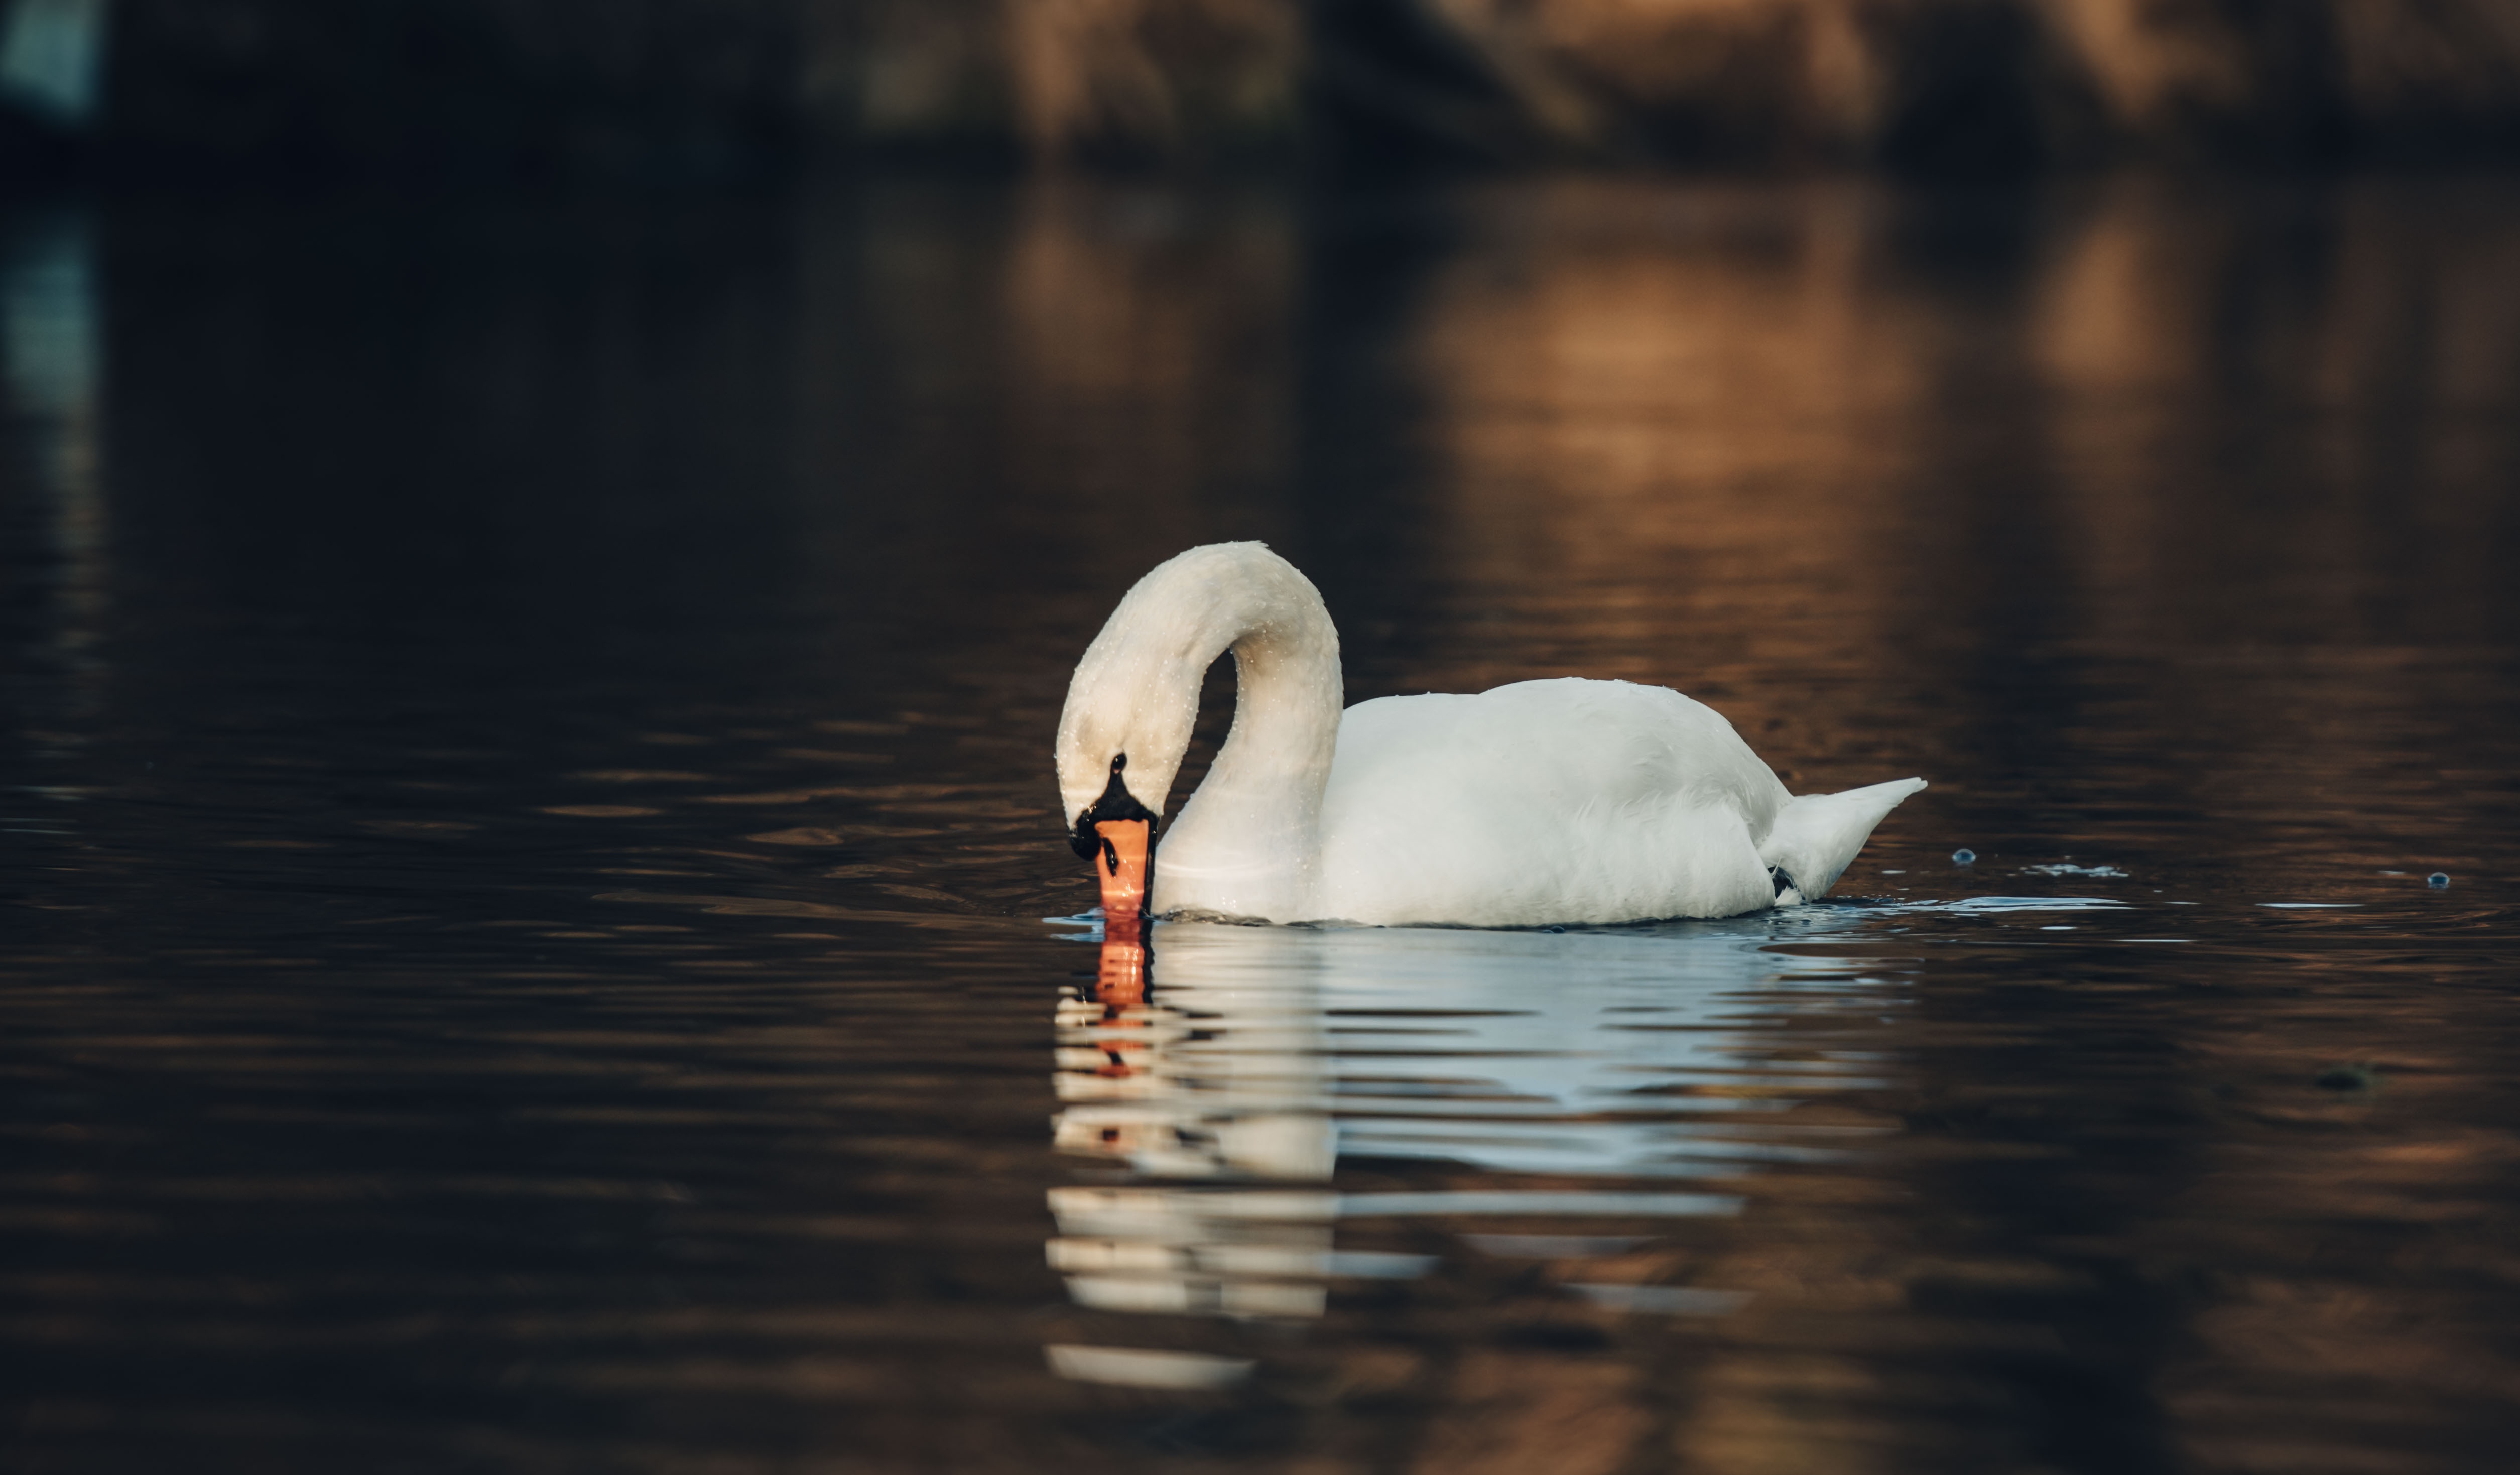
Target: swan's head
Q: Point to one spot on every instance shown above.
(1121, 738)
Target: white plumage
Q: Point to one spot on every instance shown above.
(1544, 802)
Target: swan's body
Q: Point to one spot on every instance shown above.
(1537, 803)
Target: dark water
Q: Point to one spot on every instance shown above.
(529, 827)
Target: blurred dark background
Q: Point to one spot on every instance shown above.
(539, 90)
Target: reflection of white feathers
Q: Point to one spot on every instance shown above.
(1542, 802)
(1267, 1053)
(1517, 1052)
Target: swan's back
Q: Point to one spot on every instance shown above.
(1544, 801)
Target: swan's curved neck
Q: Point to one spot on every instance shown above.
(1246, 844)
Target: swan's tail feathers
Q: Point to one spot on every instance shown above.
(1817, 836)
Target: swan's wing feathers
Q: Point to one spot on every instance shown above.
(1544, 801)
(1561, 745)
(1643, 743)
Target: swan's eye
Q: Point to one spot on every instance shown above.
(1119, 761)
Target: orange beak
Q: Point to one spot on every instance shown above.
(1122, 866)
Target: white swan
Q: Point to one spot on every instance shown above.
(1537, 803)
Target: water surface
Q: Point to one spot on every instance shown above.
(530, 832)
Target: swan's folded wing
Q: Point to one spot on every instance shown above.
(1548, 801)
(1817, 836)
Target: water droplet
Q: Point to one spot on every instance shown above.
(1963, 857)
(2439, 880)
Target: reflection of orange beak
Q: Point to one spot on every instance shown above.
(1121, 986)
(1122, 867)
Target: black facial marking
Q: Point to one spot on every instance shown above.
(1777, 874)
(1116, 803)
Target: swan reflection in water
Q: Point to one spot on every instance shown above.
(1225, 1070)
